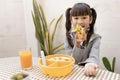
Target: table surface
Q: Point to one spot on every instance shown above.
(11, 65)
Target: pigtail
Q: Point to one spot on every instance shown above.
(91, 28)
(68, 27)
(68, 22)
(94, 16)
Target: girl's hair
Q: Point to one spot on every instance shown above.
(80, 9)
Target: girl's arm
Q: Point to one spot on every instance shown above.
(68, 49)
(93, 60)
(94, 53)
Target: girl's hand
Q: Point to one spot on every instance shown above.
(90, 69)
(79, 39)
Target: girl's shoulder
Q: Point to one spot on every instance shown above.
(95, 36)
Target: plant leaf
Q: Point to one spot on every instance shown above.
(106, 63)
(37, 21)
(42, 30)
(113, 64)
(51, 22)
(47, 42)
(58, 50)
(58, 46)
(44, 49)
(56, 27)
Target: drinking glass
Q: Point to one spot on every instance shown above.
(26, 58)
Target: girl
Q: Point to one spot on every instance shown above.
(85, 52)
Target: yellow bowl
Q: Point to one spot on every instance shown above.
(57, 68)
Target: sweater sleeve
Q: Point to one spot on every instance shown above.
(68, 48)
(94, 53)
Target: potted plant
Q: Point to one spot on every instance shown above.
(107, 65)
(42, 30)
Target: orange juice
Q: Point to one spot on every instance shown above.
(26, 58)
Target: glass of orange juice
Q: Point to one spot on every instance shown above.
(26, 58)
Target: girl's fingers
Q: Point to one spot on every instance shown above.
(78, 39)
(86, 72)
(90, 70)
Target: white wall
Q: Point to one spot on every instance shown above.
(16, 27)
(12, 27)
(107, 24)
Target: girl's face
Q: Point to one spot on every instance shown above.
(83, 21)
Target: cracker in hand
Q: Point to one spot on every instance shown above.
(80, 32)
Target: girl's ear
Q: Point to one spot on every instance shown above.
(91, 19)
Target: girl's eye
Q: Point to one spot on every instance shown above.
(84, 17)
(75, 18)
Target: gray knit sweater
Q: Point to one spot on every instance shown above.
(89, 53)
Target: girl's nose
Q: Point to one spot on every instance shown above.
(80, 21)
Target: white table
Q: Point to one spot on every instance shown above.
(11, 65)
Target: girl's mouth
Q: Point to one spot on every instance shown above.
(83, 26)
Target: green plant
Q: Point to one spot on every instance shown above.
(43, 33)
(107, 65)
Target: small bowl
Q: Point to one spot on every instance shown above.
(55, 67)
